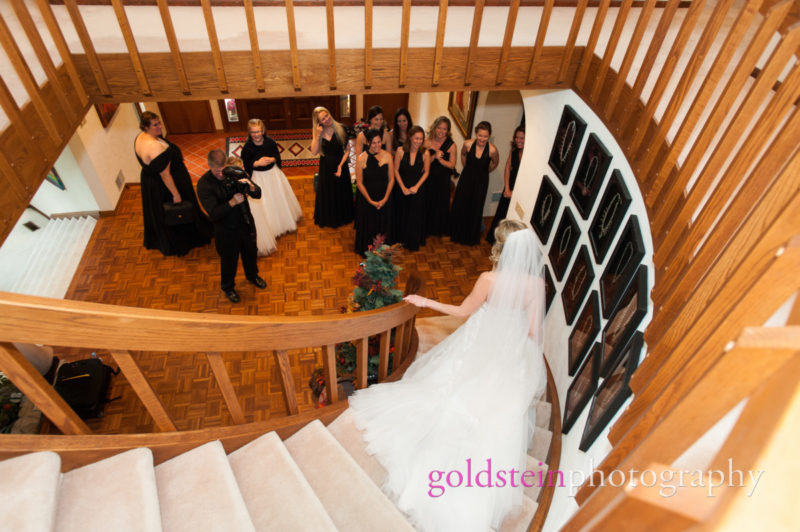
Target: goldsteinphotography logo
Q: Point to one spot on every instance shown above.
(484, 474)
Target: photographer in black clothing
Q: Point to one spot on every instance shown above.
(222, 192)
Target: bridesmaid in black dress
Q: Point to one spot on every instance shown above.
(442, 150)
(478, 158)
(411, 164)
(333, 205)
(374, 178)
(509, 179)
(165, 179)
(376, 121)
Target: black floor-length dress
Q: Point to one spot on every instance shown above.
(369, 220)
(333, 205)
(438, 192)
(466, 216)
(502, 205)
(176, 239)
(410, 210)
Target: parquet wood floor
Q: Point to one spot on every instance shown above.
(309, 274)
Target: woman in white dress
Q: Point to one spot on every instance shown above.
(466, 405)
(278, 209)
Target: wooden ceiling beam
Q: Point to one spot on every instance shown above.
(405, 28)
(367, 44)
(293, 43)
(63, 49)
(331, 44)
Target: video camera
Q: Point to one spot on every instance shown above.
(230, 178)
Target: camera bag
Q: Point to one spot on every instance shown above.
(84, 384)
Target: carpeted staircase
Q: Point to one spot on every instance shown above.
(47, 268)
(321, 478)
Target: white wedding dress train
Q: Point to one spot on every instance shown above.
(467, 401)
(278, 208)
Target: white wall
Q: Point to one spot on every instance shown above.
(102, 153)
(77, 196)
(542, 114)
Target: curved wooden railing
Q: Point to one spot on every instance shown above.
(121, 330)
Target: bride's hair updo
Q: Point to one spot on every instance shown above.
(505, 228)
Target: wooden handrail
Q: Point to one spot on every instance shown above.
(32, 319)
(124, 329)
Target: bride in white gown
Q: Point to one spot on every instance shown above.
(466, 405)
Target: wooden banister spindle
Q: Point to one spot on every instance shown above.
(329, 367)
(408, 329)
(690, 70)
(701, 345)
(678, 44)
(29, 26)
(367, 44)
(566, 59)
(383, 360)
(540, 35)
(511, 22)
(405, 28)
(174, 49)
(63, 49)
(655, 179)
(331, 44)
(130, 42)
(682, 214)
(362, 361)
(27, 380)
(630, 55)
(252, 32)
(672, 193)
(588, 51)
(611, 47)
(213, 40)
(141, 386)
(285, 368)
(226, 387)
(14, 115)
(399, 353)
(736, 173)
(437, 55)
(623, 112)
(741, 229)
(477, 17)
(88, 46)
(293, 43)
(29, 82)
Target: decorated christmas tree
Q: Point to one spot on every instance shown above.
(375, 281)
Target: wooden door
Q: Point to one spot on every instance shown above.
(187, 117)
(390, 104)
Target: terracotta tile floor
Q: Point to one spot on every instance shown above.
(195, 148)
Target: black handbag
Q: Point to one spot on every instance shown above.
(178, 213)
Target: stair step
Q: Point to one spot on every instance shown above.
(543, 413)
(125, 487)
(29, 484)
(347, 434)
(274, 489)
(540, 444)
(348, 494)
(197, 491)
(35, 263)
(519, 519)
(536, 465)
